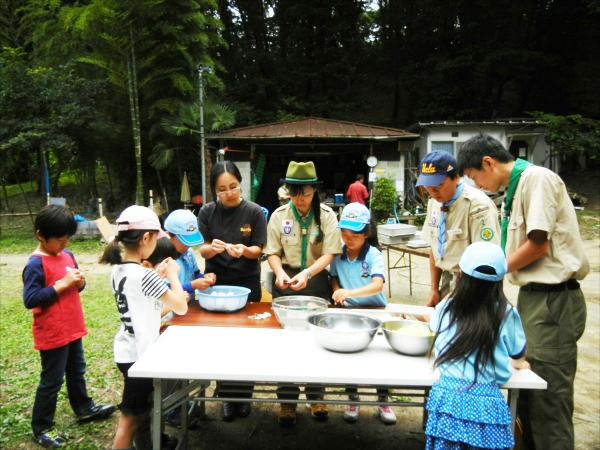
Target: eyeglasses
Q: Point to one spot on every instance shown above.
(230, 191)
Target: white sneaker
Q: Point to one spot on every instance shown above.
(351, 413)
(386, 415)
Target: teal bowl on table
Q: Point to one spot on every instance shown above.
(223, 298)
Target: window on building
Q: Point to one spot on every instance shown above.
(443, 147)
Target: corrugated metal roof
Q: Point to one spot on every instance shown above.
(453, 123)
(314, 127)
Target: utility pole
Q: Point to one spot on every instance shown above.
(202, 68)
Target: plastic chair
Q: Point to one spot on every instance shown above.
(266, 211)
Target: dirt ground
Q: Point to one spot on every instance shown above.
(261, 430)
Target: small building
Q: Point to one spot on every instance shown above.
(524, 138)
(339, 150)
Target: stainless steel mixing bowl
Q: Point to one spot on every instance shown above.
(407, 344)
(343, 331)
(293, 310)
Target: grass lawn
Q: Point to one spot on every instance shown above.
(19, 362)
(20, 366)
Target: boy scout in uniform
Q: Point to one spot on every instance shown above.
(457, 215)
(545, 257)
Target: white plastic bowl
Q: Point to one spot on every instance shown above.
(210, 299)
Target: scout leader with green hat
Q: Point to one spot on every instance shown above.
(457, 216)
(302, 240)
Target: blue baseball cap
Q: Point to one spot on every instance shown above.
(183, 224)
(355, 217)
(435, 167)
(484, 254)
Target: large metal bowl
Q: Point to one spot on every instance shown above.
(344, 332)
(293, 310)
(404, 341)
(223, 298)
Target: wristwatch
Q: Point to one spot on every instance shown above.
(308, 273)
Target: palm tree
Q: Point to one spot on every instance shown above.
(136, 43)
(185, 122)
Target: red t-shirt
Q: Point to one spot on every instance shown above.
(57, 319)
(357, 192)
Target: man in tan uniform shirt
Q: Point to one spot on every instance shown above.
(545, 258)
(470, 217)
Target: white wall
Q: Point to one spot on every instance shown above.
(244, 167)
(538, 151)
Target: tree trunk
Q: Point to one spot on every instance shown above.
(135, 119)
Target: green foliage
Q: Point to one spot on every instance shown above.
(20, 367)
(48, 110)
(384, 63)
(571, 135)
(384, 197)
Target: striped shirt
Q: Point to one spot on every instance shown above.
(137, 291)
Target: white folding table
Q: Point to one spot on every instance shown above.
(253, 355)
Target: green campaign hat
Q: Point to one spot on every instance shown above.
(301, 173)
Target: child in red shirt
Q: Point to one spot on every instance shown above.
(52, 282)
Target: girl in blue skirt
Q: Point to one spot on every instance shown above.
(479, 339)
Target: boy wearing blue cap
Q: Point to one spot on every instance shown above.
(457, 215)
(357, 280)
(182, 227)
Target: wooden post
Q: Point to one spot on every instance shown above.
(151, 199)
(100, 212)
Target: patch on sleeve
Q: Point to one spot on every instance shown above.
(479, 211)
(486, 234)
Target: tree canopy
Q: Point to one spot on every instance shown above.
(124, 65)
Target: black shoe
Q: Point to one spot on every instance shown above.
(227, 411)
(96, 412)
(168, 442)
(49, 439)
(243, 409)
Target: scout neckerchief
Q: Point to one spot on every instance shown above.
(513, 182)
(442, 227)
(304, 224)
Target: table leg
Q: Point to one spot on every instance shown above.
(425, 412)
(184, 412)
(513, 396)
(157, 414)
(410, 272)
(389, 280)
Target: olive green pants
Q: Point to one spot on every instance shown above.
(447, 283)
(553, 323)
